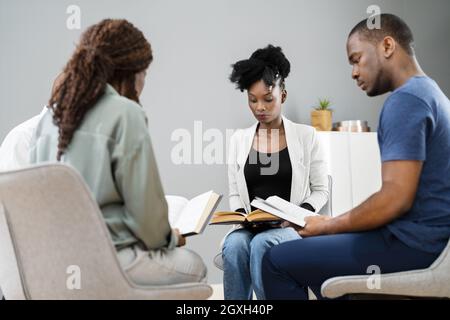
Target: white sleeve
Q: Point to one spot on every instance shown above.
(14, 151)
(318, 177)
(233, 192)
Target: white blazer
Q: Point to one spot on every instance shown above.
(309, 168)
(15, 149)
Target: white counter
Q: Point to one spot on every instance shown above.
(354, 163)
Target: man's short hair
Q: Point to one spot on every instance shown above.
(390, 25)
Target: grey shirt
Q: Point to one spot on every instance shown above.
(112, 151)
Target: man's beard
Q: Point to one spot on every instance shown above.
(382, 84)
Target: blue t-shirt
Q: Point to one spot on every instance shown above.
(415, 125)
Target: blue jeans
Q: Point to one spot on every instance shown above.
(242, 254)
(290, 268)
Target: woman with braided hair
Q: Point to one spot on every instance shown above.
(95, 124)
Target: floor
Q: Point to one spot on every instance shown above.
(218, 292)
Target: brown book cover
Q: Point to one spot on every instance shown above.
(233, 217)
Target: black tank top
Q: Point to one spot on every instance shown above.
(268, 174)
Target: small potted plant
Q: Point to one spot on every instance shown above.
(321, 116)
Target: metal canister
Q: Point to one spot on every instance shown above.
(351, 126)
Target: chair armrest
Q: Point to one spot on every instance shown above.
(418, 283)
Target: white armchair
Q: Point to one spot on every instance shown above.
(49, 222)
(433, 281)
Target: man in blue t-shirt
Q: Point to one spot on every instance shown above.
(405, 225)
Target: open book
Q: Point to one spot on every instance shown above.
(283, 209)
(233, 217)
(192, 216)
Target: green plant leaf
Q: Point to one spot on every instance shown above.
(324, 104)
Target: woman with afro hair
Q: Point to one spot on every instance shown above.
(274, 157)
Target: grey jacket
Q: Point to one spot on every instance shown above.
(112, 150)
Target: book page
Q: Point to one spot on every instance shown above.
(192, 213)
(260, 215)
(283, 209)
(290, 208)
(176, 205)
(229, 213)
(227, 219)
(213, 202)
(263, 205)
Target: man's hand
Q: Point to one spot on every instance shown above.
(398, 191)
(315, 226)
(181, 239)
(395, 198)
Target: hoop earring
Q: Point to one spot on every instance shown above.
(283, 96)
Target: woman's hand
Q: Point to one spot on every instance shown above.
(181, 239)
(315, 226)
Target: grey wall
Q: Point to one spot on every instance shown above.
(194, 43)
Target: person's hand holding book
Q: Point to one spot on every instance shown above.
(181, 239)
(315, 226)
